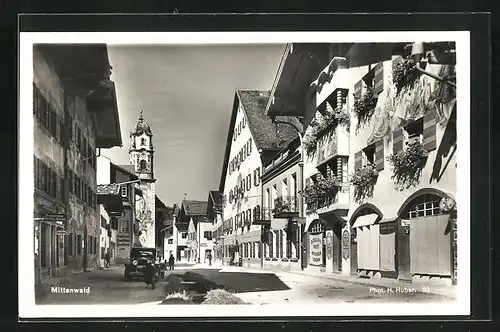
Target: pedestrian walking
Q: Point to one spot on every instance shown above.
(209, 259)
(107, 259)
(149, 274)
(171, 262)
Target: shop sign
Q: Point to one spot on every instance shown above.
(329, 245)
(123, 240)
(316, 249)
(388, 228)
(346, 238)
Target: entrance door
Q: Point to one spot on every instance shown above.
(354, 251)
(337, 247)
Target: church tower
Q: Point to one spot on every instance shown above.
(141, 156)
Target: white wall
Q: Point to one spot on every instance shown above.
(103, 170)
(248, 166)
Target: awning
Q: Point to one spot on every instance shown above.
(279, 223)
(367, 219)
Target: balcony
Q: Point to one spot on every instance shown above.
(286, 207)
(325, 195)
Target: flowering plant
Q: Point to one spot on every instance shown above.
(365, 106)
(364, 180)
(320, 193)
(320, 126)
(407, 165)
(405, 74)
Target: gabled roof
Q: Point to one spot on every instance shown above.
(266, 134)
(215, 197)
(127, 169)
(194, 208)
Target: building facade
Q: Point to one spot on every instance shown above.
(74, 114)
(281, 187)
(118, 194)
(253, 138)
(380, 170)
(190, 213)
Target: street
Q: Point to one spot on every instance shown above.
(262, 287)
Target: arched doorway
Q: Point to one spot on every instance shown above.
(425, 240)
(364, 248)
(317, 244)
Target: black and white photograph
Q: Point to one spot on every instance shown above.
(270, 174)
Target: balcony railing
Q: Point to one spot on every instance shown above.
(286, 207)
(261, 214)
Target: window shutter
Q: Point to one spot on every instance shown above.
(249, 182)
(379, 154)
(430, 120)
(398, 140)
(250, 145)
(257, 179)
(378, 80)
(357, 89)
(358, 160)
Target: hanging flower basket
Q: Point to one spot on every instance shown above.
(364, 107)
(405, 74)
(364, 180)
(407, 165)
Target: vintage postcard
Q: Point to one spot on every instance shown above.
(303, 174)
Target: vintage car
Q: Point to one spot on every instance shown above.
(140, 258)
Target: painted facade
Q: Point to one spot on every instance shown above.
(386, 152)
(67, 131)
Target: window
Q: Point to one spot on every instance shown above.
(368, 155)
(143, 165)
(257, 177)
(69, 244)
(284, 187)
(207, 235)
(249, 216)
(123, 190)
(143, 141)
(184, 235)
(78, 244)
(124, 226)
(249, 182)
(170, 241)
(414, 132)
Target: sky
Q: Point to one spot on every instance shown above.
(186, 92)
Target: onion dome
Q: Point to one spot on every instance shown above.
(141, 127)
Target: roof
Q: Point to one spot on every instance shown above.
(127, 169)
(176, 210)
(266, 134)
(216, 197)
(142, 127)
(108, 189)
(195, 208)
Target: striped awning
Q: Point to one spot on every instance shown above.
(367, 219)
